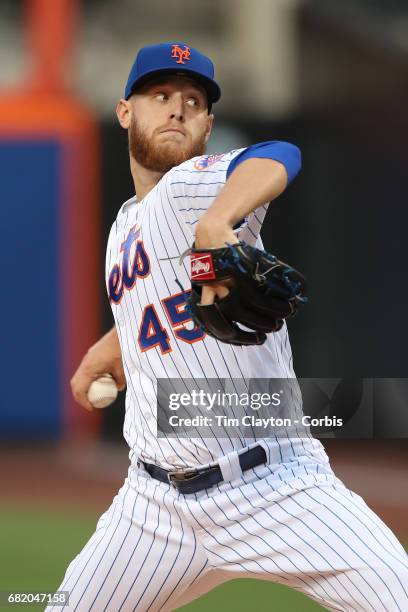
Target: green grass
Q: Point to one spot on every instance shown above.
(36, 547)
(254, 595)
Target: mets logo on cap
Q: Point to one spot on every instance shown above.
(180, 54)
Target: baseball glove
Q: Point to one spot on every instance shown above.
(265, 291)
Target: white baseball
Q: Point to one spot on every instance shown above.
(103, 391)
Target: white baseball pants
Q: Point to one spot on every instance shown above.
(155, 549)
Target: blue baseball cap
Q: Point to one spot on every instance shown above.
(173, 58)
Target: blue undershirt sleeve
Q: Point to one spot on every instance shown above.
(284, 152)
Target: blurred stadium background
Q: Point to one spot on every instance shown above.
(328, 75)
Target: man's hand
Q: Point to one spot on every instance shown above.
(102, 358)
(212, 235)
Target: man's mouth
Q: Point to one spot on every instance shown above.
(174, 130)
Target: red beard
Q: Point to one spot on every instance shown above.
(160, 157)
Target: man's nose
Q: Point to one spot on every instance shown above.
(177, 109)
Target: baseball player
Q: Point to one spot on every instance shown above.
(195, 512)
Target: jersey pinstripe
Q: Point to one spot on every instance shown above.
(164, 223)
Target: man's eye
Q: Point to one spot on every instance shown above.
(161, 97)
(193, 102)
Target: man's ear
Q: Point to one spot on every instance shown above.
(123, 113)
(209, 127)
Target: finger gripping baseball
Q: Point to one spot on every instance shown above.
(266, 291)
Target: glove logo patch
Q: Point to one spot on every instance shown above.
(202, 267)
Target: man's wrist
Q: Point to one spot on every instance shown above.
(212, 234)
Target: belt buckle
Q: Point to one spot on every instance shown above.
(180, 474)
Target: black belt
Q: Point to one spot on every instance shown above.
(192, 480)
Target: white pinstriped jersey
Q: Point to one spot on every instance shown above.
(289, 521)
(157, 338)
